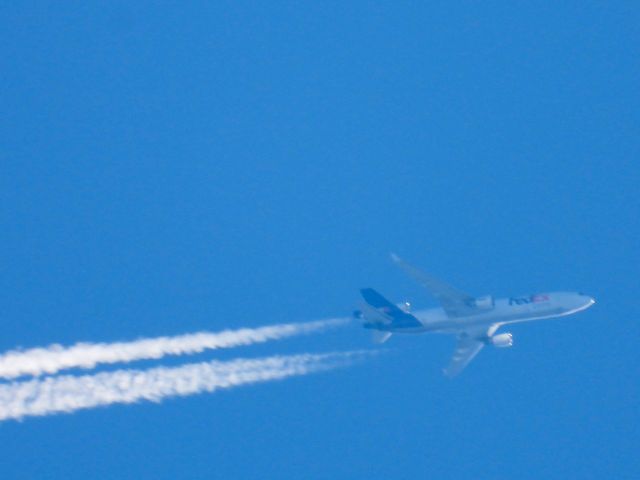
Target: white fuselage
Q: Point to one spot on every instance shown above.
(503, 311)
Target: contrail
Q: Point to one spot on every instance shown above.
(52, 359)
(69, 393)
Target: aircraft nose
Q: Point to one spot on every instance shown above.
(590, 300)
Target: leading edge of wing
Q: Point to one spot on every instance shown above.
(469, 344)
(455, 302)
(462, 356)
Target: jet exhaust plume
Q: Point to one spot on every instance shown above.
(69, 393)
(52, 359)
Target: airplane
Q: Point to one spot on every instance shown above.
(474, 320)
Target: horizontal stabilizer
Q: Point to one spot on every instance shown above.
(380, 336)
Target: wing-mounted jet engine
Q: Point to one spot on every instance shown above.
(503, 340)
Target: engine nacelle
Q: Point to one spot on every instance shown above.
(503, 340)
(484, 303)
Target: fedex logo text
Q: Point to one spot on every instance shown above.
(530, 299)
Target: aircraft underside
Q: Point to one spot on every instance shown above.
(474, 321)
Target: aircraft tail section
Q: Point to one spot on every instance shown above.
(381, 314)
(376, 300)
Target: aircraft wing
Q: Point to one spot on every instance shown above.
(469, 344)
(454, 302)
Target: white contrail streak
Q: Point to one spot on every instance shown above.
(52, 359)
(69, 393)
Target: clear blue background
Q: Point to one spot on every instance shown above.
(173, 167)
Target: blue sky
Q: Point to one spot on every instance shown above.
(168, 168)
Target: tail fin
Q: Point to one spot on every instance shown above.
(380, 310)
(380, 336)
(376, 300)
